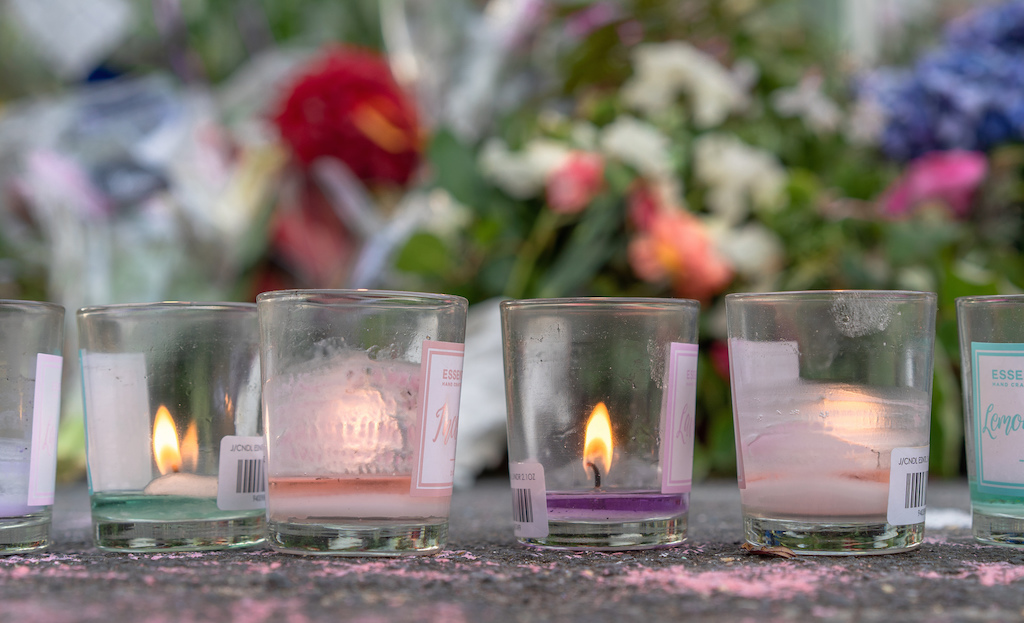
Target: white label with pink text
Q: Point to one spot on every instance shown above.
(45, 420)
(438, 418)
(677, 419)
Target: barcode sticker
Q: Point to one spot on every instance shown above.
(908, 481)
(242, 479)
(529, 499)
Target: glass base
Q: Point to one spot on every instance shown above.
(833, 539)
(611, 536)
(158, 523)
(27, 533)
(997, 528)
(358, 538)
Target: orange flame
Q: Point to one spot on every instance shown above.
(597, 445)
(165, 442)
(190, 449)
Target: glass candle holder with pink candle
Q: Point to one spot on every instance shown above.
(601, 396)
(31, 337)
(361, 395)
(832, 402)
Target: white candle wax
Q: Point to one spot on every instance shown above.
(183, 484)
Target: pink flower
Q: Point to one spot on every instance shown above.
(644, 205)
(677, 248)
(949, 177)
(573, 185)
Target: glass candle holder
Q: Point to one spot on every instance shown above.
(31, 335)
(832, 402)
(992, 358)
(172, 408)
(601, 396)
(361, 397)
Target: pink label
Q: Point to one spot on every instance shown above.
(440, 392)
(677, 419)
(45, 420)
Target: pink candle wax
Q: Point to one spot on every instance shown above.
(350, 498)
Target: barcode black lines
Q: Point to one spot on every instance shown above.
(522, 506)
(916, 483)
(249, 477)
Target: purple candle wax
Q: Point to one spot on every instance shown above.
(617, 506)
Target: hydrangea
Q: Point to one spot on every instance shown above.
(966, 94)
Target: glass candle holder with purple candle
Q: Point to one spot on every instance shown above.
(601, 395)
(832, 400)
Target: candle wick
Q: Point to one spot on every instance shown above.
(597, 475)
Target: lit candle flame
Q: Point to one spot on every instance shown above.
(597, 446)
(165, 442)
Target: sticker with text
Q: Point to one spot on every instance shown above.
(908, 479)
(677, 419)
(242, 479)
(438, 425)
(997, 375)
(45, 420)
(529, 499)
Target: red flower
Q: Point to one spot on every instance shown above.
(572, 186)
(347, 105)
(678, 249)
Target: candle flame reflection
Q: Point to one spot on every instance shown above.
(597, 445)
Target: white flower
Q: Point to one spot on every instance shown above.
(522, 174)
(808, 101)
(755, 252)
(639, 145)
(662, 71)
(737, 176)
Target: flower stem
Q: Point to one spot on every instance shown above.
(543, 231)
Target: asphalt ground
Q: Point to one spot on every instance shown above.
(484, 575)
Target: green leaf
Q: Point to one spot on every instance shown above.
(590, 246)
(455, 170)
(425, 254)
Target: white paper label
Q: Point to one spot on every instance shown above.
(438, 422)
(242, 476)
(677, 419)
(752, 366)
(529, 499)
(117, 416)
(45, 420)
(908, 479)
(998, 388)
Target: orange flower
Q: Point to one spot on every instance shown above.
(676, 248)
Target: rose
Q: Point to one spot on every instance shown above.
(347, 105)
(572, 186)
(950, 177)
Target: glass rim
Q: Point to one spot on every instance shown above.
(136, 308)
(827, 295)
(359, 296)
(12, 304)
(990, 299)
(583, 302)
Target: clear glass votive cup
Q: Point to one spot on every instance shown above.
(172, 412)
(601, 396)
(31, 337)
(831, 399)
(992, 367)
(361, 394)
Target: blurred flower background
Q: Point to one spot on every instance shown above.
(201, 150)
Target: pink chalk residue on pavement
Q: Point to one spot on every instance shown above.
(778, 581)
